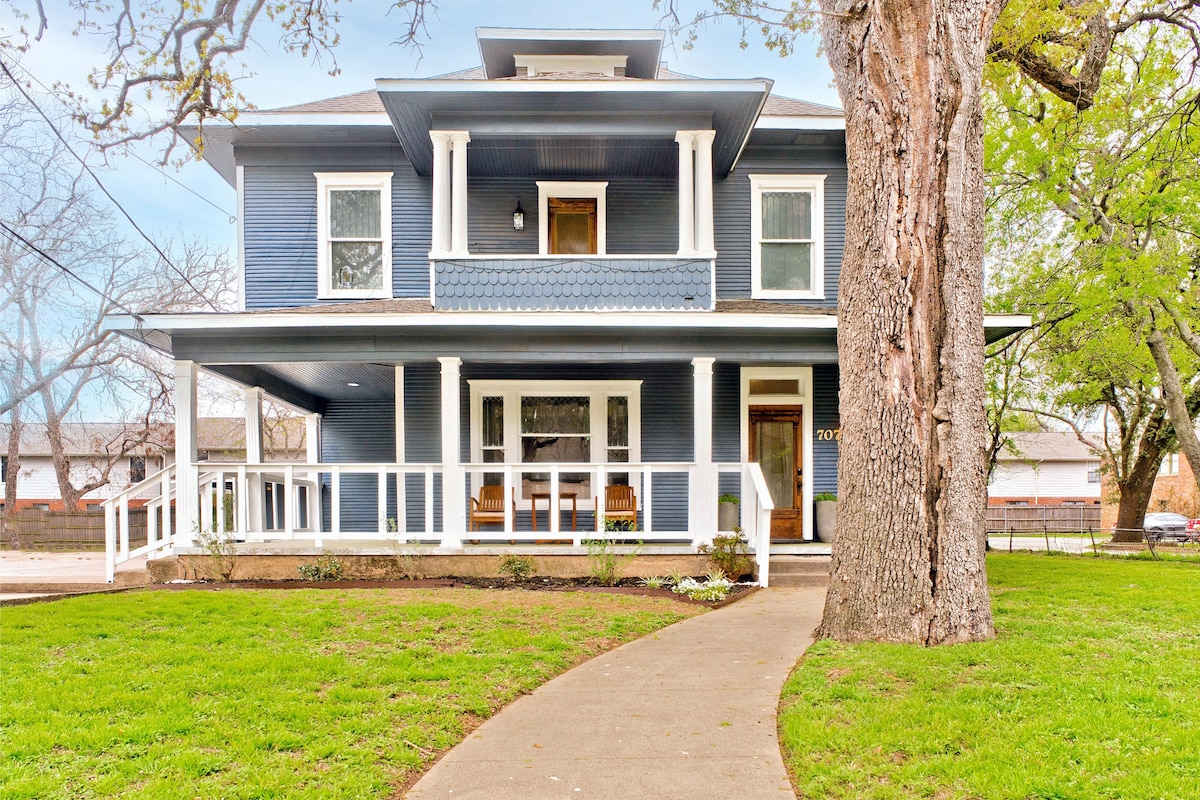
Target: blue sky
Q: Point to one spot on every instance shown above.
(367, 52)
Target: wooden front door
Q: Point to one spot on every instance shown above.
(775, 443)
(572, 226)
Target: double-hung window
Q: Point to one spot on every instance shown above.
(354, 229)
(787, 230)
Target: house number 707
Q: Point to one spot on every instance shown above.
(827, 434)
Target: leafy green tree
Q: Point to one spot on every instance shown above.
(1093, 216)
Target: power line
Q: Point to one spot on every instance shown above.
(155, 167)
(33, 248)
(136, 227)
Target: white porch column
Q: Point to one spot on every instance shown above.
(458, 192)
(687, 193)
(312, 438)
(454, 507)
(704, 192)
(253, 397)
(440, 240)
(702, 491)
(187, 483)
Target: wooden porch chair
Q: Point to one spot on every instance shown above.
(488, 509)
(619, 503)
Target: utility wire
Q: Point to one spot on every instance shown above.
(66, 144)
(155, 167)
(33, 248)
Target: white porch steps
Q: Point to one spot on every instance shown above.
(793, 570)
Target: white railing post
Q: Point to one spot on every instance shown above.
(510, 513)
(289, 502)
(123, 508)
(335, 503)
(647, 498)
(381, 516)
(241, 503)
(110, 542)
(553, 512)
(429, 501)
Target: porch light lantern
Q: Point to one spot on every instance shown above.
(519, 217)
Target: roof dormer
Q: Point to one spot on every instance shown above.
(611, 53)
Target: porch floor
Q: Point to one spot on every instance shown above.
(375, 547)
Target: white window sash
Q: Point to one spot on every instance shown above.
(328, 182)
(814, 185)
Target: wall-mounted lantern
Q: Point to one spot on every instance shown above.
(519, 218)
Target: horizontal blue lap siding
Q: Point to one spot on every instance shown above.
(280, 224)
(576, 284)
(727, 420)
(422, 439)
(358, 432)
(731, 201)
(825, 417)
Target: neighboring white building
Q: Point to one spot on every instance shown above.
(90, 446)
(1049, 468)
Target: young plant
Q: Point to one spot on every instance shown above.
(729, 553)
(517, 567)
(655, 582)
(219, 555)
(604, 562)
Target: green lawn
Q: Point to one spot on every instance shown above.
(268, 694)
(1090, 690)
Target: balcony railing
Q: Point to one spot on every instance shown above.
(573, 283)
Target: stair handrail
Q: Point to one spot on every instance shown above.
(116, 520)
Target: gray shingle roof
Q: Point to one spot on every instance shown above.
(368, 101)
(1048, 446)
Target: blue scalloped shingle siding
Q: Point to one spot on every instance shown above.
(589, 284)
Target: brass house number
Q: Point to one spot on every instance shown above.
(829, 434)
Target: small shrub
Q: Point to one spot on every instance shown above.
(655, 582)
(517, 567)
(729, 553)
(604, 562)
(219, 555)
(325, 568)
(821, 497)
(730, 498)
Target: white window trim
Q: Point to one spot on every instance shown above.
(815, 184)
(597, 391)
(331, 181)
(572, 190)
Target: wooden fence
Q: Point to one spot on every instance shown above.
(1043, 518)
(33, 529)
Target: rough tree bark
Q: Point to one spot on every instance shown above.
(1173, 398)
(908, 564)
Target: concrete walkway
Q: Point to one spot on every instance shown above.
(26, 574)
(688, 712)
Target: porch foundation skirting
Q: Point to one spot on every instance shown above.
(382, 509)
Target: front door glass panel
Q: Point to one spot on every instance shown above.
(777, 457)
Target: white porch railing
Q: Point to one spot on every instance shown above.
(403, 503)
(158, 490)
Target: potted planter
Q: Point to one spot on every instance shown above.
(826, 517)
(727, 512)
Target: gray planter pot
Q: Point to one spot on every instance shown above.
(727, 516)
(826, 520)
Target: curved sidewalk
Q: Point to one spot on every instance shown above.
(687, 712)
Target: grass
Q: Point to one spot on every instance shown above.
(1090, 690)
(305, 693)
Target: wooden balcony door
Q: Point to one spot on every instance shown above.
(572, 225)
(775, 443)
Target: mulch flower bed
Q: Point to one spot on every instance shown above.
(536, 584)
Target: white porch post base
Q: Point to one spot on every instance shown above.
(454, 483)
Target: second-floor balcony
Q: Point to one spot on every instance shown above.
(573, 283)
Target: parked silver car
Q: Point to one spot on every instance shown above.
(1163, 526)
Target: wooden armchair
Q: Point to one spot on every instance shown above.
(488, 509)
(620, 503)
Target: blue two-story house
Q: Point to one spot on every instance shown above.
(496, 291)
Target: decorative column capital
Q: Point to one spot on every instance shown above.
(704, 137)
(685, 137)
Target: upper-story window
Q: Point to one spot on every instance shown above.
(137, 469)
(354, 229)
(787, 230)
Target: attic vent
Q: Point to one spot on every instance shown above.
(522, 72)
(619, 72)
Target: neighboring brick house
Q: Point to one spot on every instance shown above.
(91, 446)
(1175, 487)
(1050, 468)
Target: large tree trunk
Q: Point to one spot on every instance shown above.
(1175, 401)
(908, 564)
